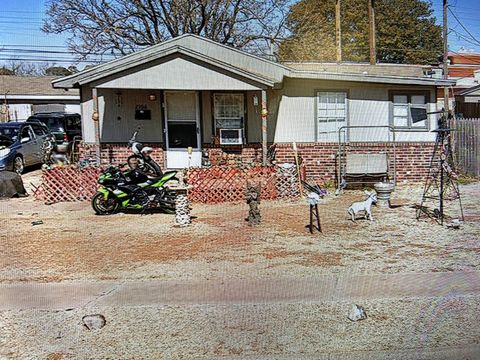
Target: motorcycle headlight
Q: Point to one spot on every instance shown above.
(4, 152)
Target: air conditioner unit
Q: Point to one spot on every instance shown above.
(231, 136)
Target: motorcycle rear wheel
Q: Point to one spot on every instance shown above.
(104, 206)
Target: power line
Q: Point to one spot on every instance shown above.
(52, 60)
(463, 27)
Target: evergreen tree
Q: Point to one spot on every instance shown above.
(405, 31)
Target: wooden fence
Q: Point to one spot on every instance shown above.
(467, 146)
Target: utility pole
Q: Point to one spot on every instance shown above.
(445, 60)
(338, 31)
(371, 28)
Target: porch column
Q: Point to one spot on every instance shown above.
(96, 123)
(264, 127)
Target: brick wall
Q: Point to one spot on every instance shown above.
(320, 159)
(413, 159)
(117, 153)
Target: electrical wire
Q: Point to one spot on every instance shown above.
(463, 27)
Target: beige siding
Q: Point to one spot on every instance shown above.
(86, 110)
(368, 104)
(254, 117)
(117, 115)
(175, 74)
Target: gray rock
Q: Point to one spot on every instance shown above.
(357, 313)
(94, 322)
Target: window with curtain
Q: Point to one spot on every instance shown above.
(228, 111)
(402, 103)
(331, 112)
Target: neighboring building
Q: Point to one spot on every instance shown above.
(193, 92)
(464, 69)
(22, 96)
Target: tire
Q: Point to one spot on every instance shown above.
(104, 207)
(18, 165)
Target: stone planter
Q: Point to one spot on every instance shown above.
(384, 191)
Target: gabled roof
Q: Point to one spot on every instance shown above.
(31, 86)
(237, 62)
(473, 91)
(194, 46)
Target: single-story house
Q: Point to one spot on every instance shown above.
(191, 92)
(23, 96)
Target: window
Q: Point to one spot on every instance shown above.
(228, 111)
(38, 130)
(331, 113)
(402, 103)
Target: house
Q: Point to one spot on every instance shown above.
(464, 69)
(191, 92)
(468, 102)
(22, 96)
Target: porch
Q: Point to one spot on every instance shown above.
(187, 128)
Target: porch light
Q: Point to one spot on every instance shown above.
(152, 97)
(255, 100)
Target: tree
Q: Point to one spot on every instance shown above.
(24, 68)
(124, 26)
(405, 31)
(57, 71)
(6, 71)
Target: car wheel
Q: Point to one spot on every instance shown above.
(18, 165)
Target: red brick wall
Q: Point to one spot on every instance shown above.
(117, 153)
(413, 159)
(319, 158)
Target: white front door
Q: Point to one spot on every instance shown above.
(182, 128)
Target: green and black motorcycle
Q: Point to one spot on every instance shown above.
(133, 190)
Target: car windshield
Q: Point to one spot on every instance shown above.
(9, 132)
(54, 124)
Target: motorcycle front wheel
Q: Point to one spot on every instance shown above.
(104, 206)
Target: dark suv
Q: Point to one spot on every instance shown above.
(64, 126)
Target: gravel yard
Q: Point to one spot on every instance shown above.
(74, 246)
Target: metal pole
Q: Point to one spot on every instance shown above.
(338, 32)
(264, 127)
(445, 62)
(371, 27)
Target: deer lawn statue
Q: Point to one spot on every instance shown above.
(365, 206)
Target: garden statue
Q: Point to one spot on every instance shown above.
(365, 206)
(253, 200)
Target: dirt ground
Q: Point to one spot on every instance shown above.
(74, 244)
(75, 247)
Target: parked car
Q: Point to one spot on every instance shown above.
(64, 126)
(22, 144)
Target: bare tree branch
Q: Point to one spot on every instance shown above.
(124, 26)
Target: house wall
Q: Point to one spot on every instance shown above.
(293, 111)
(117, 115)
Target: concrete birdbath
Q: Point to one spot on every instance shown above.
(384, 191)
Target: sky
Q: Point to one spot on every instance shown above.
(21, 37)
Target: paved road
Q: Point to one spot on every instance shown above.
(58, 296)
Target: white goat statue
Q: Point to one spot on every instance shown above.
(366, 206)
